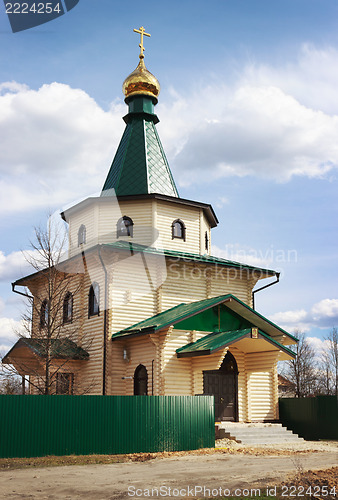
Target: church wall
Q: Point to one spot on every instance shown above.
(262, 385)
(189, 282)
(225, 280)
(132, 297)
(93, 330)
(185, 282)
(88, 216)
(74, 330)
(141, 352)
(241, 383)
(190, 216)
(139, 211)
(204, 228)
(176, 373)
(121, 371)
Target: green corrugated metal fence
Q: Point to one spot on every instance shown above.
(311, 418)
(82, 425)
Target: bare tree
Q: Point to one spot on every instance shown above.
(10, 384)
(52, 319)
(331, 357)
(302, 370)
(325, 378)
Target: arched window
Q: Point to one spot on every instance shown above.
(44, 312)
(124, 227)
(229, 364)
(68, 308)
(178, 229)
(206, 240)
(81, 235)
(94, 300)
(141, 381)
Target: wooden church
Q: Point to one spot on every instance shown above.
(159, 314)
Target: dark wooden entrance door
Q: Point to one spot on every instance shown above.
(222, 384)
(141, 381)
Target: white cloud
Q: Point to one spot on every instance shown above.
(9, 329)
(14, 266)
(221, 201)
(243, 254)
(325, 309)
(319, 345)
(55, 143)
(312, 78)
(290, 317)
(258, 131)
(323, 314)
(275, 122)
(269, 257)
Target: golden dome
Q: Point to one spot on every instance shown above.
(141, 82)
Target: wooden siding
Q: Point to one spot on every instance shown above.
(152, 224)
(241, 383)
(204, 228)
(141, 214)
(190, 216)
(262, 385)
(132, 297)
(176, 375)
(189, 282)
(93, 330)
(232, 280)
(185, 283)
(88, 216)
(139, 351)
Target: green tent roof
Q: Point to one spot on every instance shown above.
(140, 165)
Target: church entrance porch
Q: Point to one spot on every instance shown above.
(217, 346)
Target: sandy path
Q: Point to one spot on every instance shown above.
(112, 481)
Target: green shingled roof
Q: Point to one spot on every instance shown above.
(218, 340)
(222, 313)
(140, 165)
(60, 349)
(186, 256)
(171, 316)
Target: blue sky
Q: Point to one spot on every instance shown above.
(249, 122)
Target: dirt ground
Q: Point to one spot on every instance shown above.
(229, 470)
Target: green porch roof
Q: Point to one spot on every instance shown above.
(140, 165)
(218, 314)
(170, 317)
(60, 349)
(218, 340)
(187, 256)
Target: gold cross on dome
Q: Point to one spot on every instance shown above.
(142, 32)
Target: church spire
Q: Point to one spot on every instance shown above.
(140, 165)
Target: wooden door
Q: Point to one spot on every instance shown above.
(222, 384)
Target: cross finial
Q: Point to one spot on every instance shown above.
(142, 32)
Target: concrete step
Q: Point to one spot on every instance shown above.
(255, 433)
